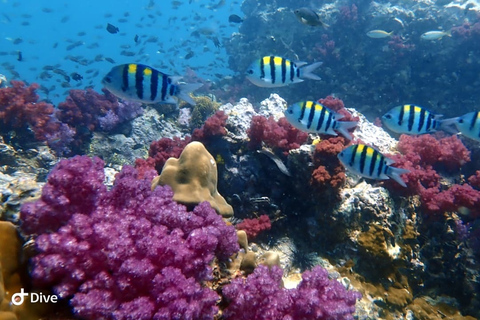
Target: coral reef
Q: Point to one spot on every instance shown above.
(193, 178)
(124, 252)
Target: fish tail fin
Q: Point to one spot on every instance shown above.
(343, 126)
(448, 125)
(307, 71)
(395, 173)
(448, 33)
(184, 90)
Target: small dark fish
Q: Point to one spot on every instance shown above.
(17, 41)
(77, 77)
(309, 17)
(235, 18)
(136, 38)
(112, 29)
(81, 33)
(25, 23)
(19, 56)
(127, 53)
(7, 17)
(55, 45)
(110, 60)
(74, 45)
(47, 10)
(65, 19)
(67, 78)
(216, 42)
(122, 20)
(189, 55)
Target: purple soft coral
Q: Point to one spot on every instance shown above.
(262, 296)
(128, 252)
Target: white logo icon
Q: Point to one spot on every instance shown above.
(19, 297)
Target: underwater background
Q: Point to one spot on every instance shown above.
(116, 204)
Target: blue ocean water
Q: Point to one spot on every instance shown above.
(43, 31)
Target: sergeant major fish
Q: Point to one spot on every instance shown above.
(273, 71)
(313, 117)
(411, 119)
(370, 163)
(468, 124)
(138, 82)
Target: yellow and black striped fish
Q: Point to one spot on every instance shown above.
(468, 125)
(411, 119)
(273, 71)
(313, 117)
(370, 163)
(138, 82)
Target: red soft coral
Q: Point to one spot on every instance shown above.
(19, 110)
(281, 134)
(213, 126)
(329, 172)
(436, 202)
(474, 180)
(253, 227)
(163, 149)
(449, 152)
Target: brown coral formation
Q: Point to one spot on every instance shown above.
(193, 178)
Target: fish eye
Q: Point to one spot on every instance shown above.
(250, 71)
(460, 120)
(388, 116)
(107, 79)
(290, 111)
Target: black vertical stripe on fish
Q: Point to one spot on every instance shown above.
(429, 121)
(329, 121)
(125, 78)
(153, 84)
(303, 107)
(375, 157)
(272, 68)
(311, 115)
(321, 119)
(411, 117)
(173, 88)
(139, 80)
(354, 153)
(298, 73)
(421, 122)
(164, 86)
(292, 71)
(262, 69)
(400, 116)
(284, 70)
(380, 166)
(363, 158)
(473, 121)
